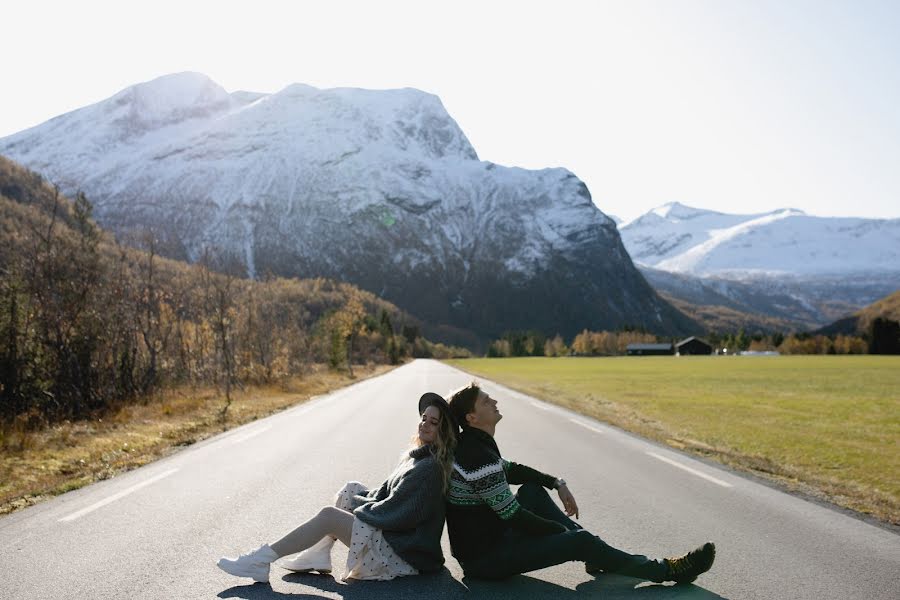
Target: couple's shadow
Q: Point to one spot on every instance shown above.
(443, 585)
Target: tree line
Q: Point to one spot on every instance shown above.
(881, 337)
(586, 343)
(87, 323)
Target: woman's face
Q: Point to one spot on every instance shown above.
(429, 425)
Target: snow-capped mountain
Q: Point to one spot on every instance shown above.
(681, 239)
(378, 188)
(785, 264)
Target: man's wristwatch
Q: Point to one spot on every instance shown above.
(559, 483)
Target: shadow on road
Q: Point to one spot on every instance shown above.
(435, 585)
(608, 587)
(443, 585)
(615, 587)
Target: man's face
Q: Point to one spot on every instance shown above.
(484, 412)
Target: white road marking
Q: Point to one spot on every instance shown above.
(541, 406)
(587, 426)
(116, 496)
(690, 470)
(244, 437)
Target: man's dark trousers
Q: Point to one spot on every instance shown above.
(519, 552)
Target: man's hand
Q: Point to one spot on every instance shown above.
(568, 501)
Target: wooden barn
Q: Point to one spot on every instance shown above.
(692, 345)
(649, 349)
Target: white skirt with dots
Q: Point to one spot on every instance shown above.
(371, 557)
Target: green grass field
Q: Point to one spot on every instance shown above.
(827, 426)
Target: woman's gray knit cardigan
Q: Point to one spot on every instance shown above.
(409, 508)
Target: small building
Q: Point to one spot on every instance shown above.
(692, 345)
(649, 349)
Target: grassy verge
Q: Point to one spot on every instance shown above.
(37, 465)
(825, 426)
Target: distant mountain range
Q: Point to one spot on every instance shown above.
(778, 270)
(680, 239)
(378, 188)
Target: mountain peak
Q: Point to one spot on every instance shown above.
(789, 212)
(677, 210)
(404, 119)
(166, 100)
(161, 96)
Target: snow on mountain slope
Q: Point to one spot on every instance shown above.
(155, 129)
(378, 188)
(671, 229)
(797, 268)
(680, 239)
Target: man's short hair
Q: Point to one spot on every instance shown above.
(462, 402)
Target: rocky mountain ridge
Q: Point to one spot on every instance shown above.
(378, 188)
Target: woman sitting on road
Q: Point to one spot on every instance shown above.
(392, 531)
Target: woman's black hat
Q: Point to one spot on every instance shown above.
(432, 399)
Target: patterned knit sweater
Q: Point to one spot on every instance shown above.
(480, 504)
(409, 508)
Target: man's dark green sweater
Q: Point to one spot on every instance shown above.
(480, 505)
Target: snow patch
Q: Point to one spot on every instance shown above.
(681, 239)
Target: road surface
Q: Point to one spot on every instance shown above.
(157, 532)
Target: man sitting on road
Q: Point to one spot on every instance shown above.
(495, 534)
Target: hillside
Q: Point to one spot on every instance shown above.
(721, 318)
(860, 322)
(780, 304)
(87, 323)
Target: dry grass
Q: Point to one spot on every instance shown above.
(36, 465)
(825, 426)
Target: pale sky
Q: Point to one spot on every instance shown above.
(737, 106)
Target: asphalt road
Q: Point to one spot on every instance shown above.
(157, 532)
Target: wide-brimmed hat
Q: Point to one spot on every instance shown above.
(432, 399)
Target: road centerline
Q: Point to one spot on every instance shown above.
(587, 426)
(116, 496)
(246, 436)
(690, 470)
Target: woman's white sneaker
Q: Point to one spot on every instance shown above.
(254, 564)
(316, 558)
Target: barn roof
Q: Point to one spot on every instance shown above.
(649, 346)
(686, 340)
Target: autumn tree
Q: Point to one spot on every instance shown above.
(152, 312)
(555, 347)
(344, 325)
(218, 296)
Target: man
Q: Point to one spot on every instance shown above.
(495, 534)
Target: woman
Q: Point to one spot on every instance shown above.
(392, 531)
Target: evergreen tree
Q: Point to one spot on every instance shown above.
(885, 336)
